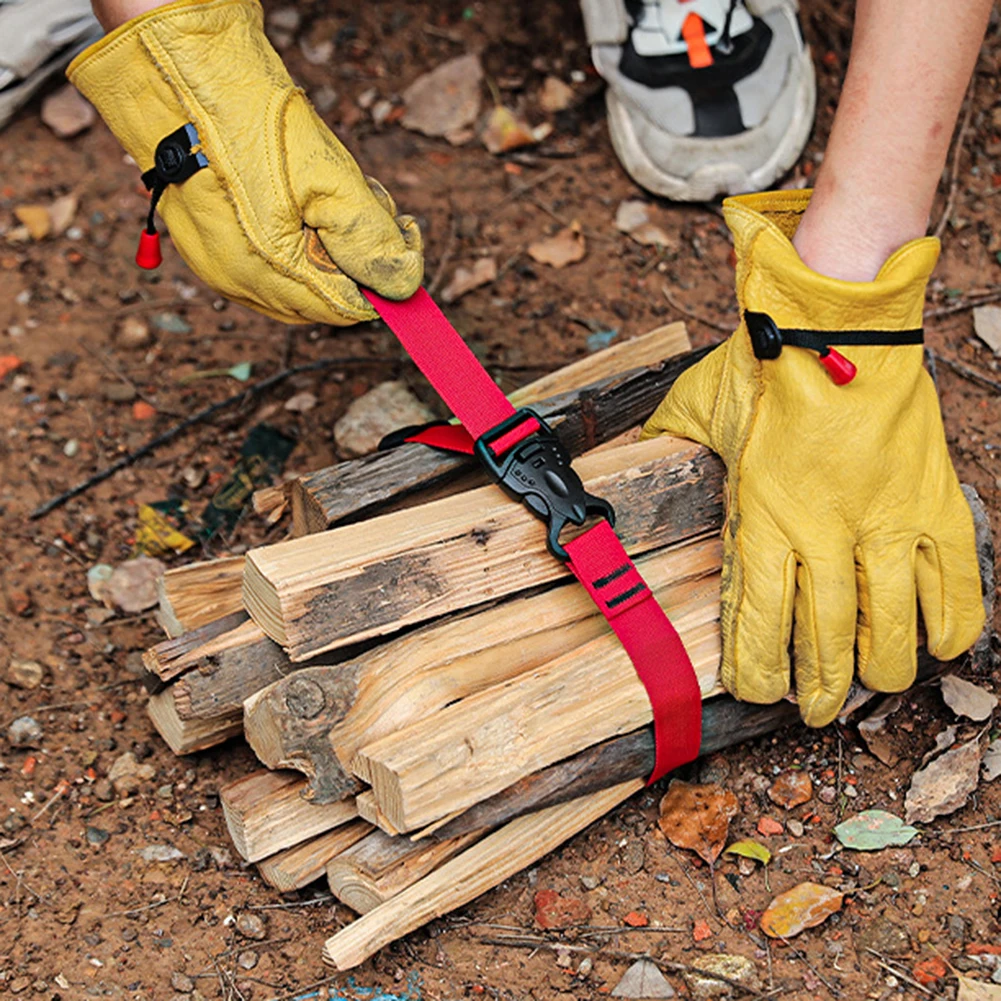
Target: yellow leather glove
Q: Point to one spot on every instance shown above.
(843, 507)
(281, 219)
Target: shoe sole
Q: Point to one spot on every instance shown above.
(723, 177)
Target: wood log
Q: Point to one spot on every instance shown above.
(368, 809)
(305, 863)
(316, 719)
(581, 417)
(186, 736)
(479, 868)
(319, 593)
(265, 813)
(193, 595)
(177, 654)
(380, 866)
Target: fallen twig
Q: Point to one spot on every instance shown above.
(198, 418)
(887, 964)
(957, 152)
(685, 311)
(967, 373)
(971, 302)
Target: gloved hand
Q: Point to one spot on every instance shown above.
(843, 507)
(279, 192)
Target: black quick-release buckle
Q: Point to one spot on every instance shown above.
(538, 473)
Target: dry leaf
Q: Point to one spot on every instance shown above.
(301, 402)
(36, 219)
(465, 280)
(566, 247)
(804, 906)
(977, 990)
(966, 699)
(873, 730)
(633, 218)
(792, 788)
(944, 785)
(555, 95)
(445, 101)
(943, 739)
(643, 980)
(67, 113)
(987, 324)
(697, 817)
(505, 131)
(61, 214)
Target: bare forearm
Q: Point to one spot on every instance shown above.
(910, 64)
(113, 13)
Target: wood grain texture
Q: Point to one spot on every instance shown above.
(479, 746)
(305, 863)
(318, 593)
(582, 417)
(380, 866)
(316, 719)
(265, 813)
(188, 736)
(193, 595)
(479, 868)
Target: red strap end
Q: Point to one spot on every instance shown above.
(841, 370)
(148, 255)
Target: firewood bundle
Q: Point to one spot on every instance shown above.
(436, 703)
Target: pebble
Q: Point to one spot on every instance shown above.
(132, 585)
(795, 827)
(957, 928)
(182, 982)
(391, 405)
(97, 835)
(104, 791)
(25, 731)
(851, 792)
(827, 794)
(914, 870)
(171, 323)
(590, 882)
(71, 448)
(247, 959)
(118, 392)
(126, 774)
(25, 673)
(133, 333)
(166, 791)
(996, 976)
(129, 934)
(634, 857)
(251, 926)
(736, 968)
(586, 965)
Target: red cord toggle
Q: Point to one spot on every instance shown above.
(841, 370)
(148, 255)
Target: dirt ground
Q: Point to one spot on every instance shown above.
(81, 913)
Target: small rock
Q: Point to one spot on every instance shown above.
(957, 929)
(25, 731)
(97, 580)
(132, 585)
(118, 392)
(552, 910)
(795, 827)
(851, 792)
(590, 882)
(67, 113)
(301, 403)
(285, 19)
(133, 333)
(126, 774)
(736, 968)
(827, 794)
(882, 935)
(555, 95)
(247, 959)
(25, 673)
(104, 791)
(171, 323)
(251, 926)
(182, 982)
(387, 407)
(633, 857)
(791, 789)
(166, 791)
(586, 965)
(71, 448)
(97, 835)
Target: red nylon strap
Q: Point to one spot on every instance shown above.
(597, 557)
(599, 561)
(450, 437)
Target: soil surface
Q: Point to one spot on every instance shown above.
(82, 913)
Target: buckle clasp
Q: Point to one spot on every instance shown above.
(537, 472)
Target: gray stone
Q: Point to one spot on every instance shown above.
(391, 405)
(25, 731)
(251, 926)
(25, 673)
(736, 968)
(247, 959)
(182, 982)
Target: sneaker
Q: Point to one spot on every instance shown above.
(705, 97)
(38, 38)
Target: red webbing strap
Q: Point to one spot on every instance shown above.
(597, 557)
(599, 561)
(450, 437)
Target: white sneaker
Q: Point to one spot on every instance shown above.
(37, 39)
(705, 97)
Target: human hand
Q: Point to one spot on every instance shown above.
(844, 511)
(280, 218)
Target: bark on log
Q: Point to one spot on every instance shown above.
(583, 418)
(319, 593)
(316, 719)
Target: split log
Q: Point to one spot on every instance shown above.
(316, 719)
(172, 657)
(479, 868)
(304, 863)
(582, 418)
(368, 809)
(186, 736)
(265, 813)
(198, 593)
(319, 593)
(380, 866)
